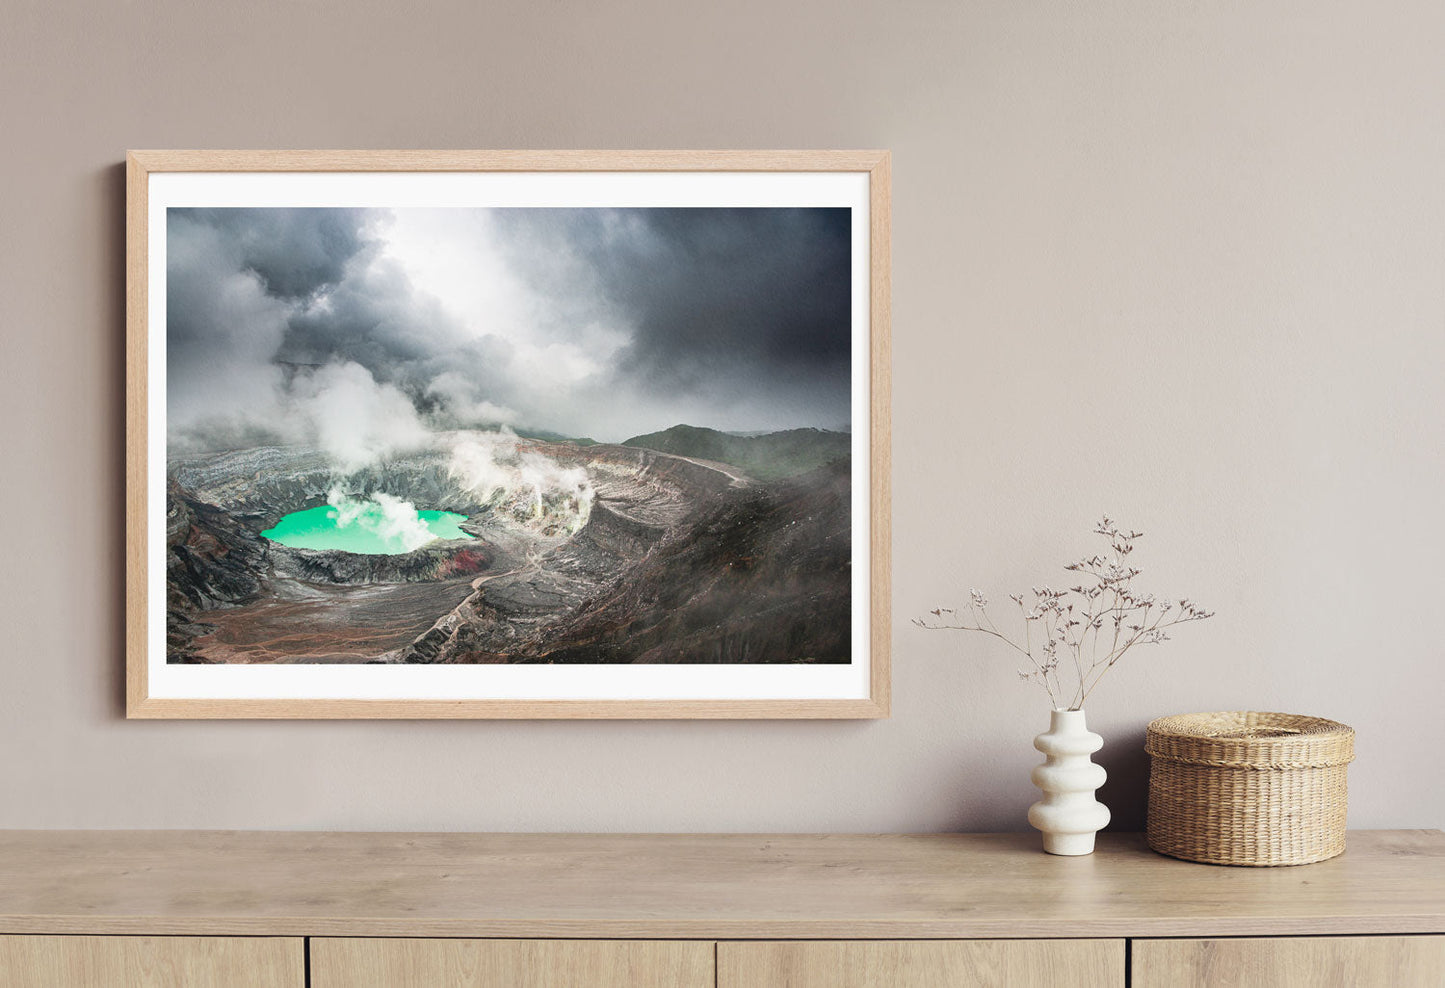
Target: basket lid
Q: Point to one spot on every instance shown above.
(1251, 739)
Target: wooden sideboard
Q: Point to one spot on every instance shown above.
(351, 910)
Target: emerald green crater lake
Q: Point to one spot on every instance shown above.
(383, 527)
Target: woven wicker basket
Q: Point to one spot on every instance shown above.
(1246, 788)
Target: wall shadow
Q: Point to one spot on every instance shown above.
(112, 394)
(1126, 792)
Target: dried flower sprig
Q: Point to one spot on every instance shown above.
(1086, 628)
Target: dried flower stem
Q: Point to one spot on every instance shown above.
(1077, 619)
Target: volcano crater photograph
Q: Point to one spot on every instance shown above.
(508, 436)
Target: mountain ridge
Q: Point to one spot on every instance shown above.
(768, 457)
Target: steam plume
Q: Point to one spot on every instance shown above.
(393, 520)
(537, 490)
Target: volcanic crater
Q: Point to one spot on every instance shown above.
(620, 555)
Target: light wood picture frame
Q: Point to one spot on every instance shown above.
(392, 363)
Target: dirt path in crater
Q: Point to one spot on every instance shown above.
(316, 624)
(533, 567)
(738, 479)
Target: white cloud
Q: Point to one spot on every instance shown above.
(461, 405)
(355, 419)
(394, 521)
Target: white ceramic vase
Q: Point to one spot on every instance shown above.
(1068, 815)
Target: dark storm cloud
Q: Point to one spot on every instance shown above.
(242, 285)
(715, 298)
(734, 318)
(236, 279)
(298, 286)
(340, 309)
(374, 318)
(295, 252)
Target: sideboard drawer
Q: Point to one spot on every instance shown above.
(906, 964)
(153, 962)
(1290, 962)
(425, 963)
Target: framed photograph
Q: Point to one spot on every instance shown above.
(507, 434)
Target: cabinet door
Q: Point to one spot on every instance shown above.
(921, 964)
(1290, 962)
(153, 962)
(401, 963)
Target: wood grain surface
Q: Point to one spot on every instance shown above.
(704, 887)
(152, 962)
(1297, 962)
(955, 963)
(390, 963)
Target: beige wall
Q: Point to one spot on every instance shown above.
(1184, 263)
